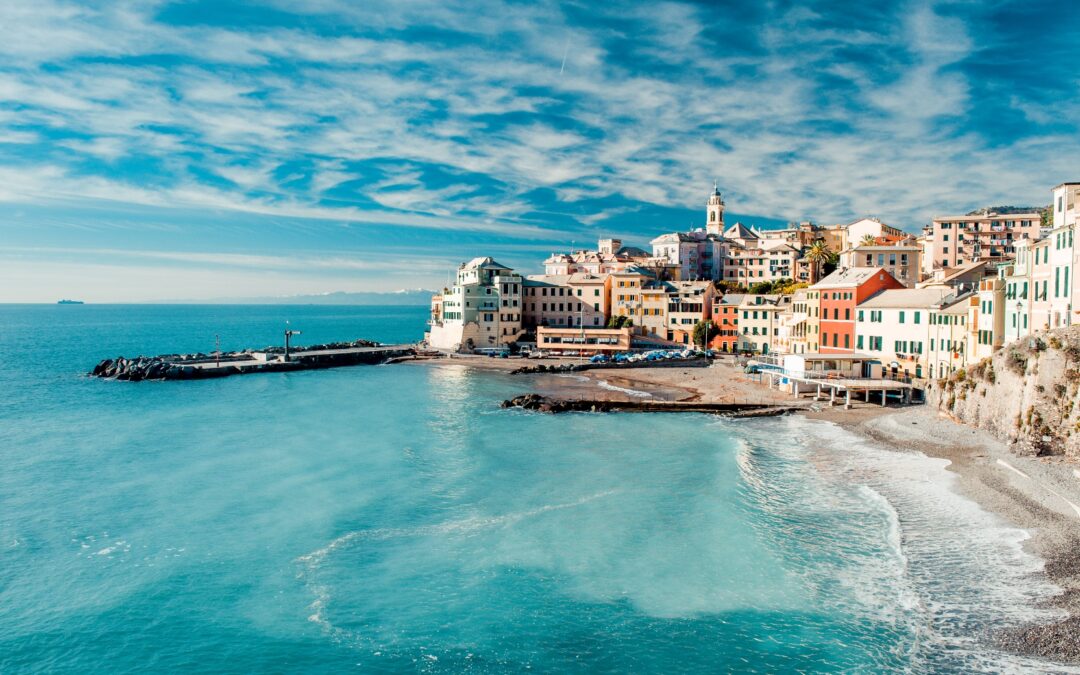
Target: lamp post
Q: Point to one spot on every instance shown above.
(288, 334)
(1019, 307)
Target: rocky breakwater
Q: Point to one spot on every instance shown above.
(546, 404)
(202, 366)
(695, 362)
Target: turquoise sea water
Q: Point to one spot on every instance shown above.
(394, 519)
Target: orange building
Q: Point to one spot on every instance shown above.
(841, 292)
(725, 318)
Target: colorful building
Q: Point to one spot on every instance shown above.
(482, 310)
(894, 327)
(725, 318)
(839, 295)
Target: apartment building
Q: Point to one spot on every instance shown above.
(1065, 211)
(986, 318)
(482, 310)
(688, 303)
(948, 336)
(904, 263)
(839, 295)
(610, 256)
(983, 235)
(581, 299)
(759, 322)
(894, 327)
(725, 318)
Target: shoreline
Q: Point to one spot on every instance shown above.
(1038, 495)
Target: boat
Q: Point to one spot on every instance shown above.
(70, 302)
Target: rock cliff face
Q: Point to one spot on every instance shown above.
(1026, 394)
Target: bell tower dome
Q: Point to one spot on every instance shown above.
(714, 212)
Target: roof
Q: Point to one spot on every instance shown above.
(917, 298)
(885, 248)
(1031, 215)
(960, 270)
(740, 231)
(849, 277)
(731, 299)
(484, 263)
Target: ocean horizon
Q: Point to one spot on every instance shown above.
(394, 518)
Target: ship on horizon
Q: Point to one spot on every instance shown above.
(70, 302)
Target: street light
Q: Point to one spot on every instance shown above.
(1019, 307)
(288, 334)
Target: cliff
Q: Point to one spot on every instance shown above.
(1025, 394)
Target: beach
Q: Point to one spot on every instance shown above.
(1038, 495)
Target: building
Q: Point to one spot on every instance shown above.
(802, 323)
(1060, 250)
(566, 300)
(694, 255)
(482, 310)
(759, 322)
(1017, 293)
(1065, 215)
(751, 259)
(609, 256)
(688, 304)
(894, 327)
(981, 235)
(840, 293)
(700, 253)
(1041, 272)
(986, 318)
(904, 263)
(725, 318)
(871, 228)
(583, 341)
(948, 335)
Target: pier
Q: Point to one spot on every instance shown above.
(271, 360)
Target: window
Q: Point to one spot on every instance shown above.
(901, 316)
(916, 317)
(858, 342)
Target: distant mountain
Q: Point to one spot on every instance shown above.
(405, 296)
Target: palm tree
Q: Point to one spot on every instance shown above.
(819, 254)
(868, 240)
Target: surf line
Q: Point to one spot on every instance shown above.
(1010, 467)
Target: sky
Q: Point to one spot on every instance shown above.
(156, 150)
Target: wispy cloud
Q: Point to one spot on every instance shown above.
(496, 122)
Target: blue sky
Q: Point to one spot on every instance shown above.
(199, 149)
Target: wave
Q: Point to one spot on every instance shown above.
(891, 529)
(311, 562)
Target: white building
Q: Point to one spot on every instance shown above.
(894, 327)
(482, 310)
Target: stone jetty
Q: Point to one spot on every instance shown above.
(695, 362)
(547, 404)
(272, 359)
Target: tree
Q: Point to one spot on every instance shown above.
(619, 321)
(819, 254)
(702, 331)
(762, 287)
(868, 240)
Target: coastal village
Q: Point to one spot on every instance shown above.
(866, 299)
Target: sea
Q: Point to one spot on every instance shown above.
(394, 519)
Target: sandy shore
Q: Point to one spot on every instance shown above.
(1039, 495)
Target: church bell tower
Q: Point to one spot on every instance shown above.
(714, 208)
